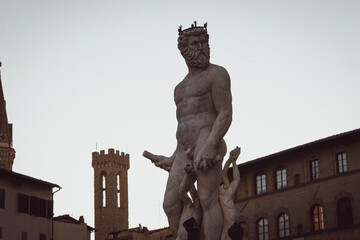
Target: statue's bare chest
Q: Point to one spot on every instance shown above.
(192, 88)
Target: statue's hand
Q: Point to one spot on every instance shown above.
(234, 154)
(206, 157)
(164, 164)
(159, 161)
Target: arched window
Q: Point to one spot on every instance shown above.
(283, 225)
(344, 212)
(103, 190)
(262, 229)
(317, 218)
(260, 183)
(281, 178)
(118, 190)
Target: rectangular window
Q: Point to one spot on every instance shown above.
(1, 233)
(34, 206)
(2, 198)
(260, 183)
(281, 178)
(50, 208)
(23, 203)
(42, 236)
(42, 209)
(314, 170)
(341, 162)
(24, 236)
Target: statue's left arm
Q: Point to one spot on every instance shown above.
(222, 100)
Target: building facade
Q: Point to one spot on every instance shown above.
(26, 207)
(141, 233)
(110, 192)
(66, 227)
(309, 192)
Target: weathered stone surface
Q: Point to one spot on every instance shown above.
(204, 113)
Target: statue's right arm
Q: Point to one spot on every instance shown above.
(234, 154)
(235, 182)
(160, 161)
(225, 173)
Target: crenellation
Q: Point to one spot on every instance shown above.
(102, 152)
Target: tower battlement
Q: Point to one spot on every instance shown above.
(112, 158)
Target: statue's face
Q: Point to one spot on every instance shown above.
(197, 52)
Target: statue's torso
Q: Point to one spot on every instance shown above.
(195, 109)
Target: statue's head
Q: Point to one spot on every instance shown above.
(193, 44)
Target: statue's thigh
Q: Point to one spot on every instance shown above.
(208, 182)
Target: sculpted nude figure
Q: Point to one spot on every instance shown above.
(192, 207)
(227, 193)
(204, 114)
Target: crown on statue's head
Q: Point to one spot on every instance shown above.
(193, 26)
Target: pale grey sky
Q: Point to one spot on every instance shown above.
(80, 73)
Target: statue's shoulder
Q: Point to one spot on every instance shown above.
(178, 88)
(220, 75)
(179, 85)
(216, 69)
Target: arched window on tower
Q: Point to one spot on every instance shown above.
(118, 190)
(103, 190)
(344, 212)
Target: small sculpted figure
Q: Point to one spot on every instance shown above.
(191, 208)
(204, 114)
(227, 192)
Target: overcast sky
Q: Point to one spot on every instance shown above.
(81, 74)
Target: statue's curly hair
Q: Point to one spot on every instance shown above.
(184, 36)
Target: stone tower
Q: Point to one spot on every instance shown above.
(110, 192)
(7, 153)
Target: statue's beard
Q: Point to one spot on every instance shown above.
(197, 58)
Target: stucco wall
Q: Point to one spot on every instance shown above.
(12, 222)
(66, 231)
